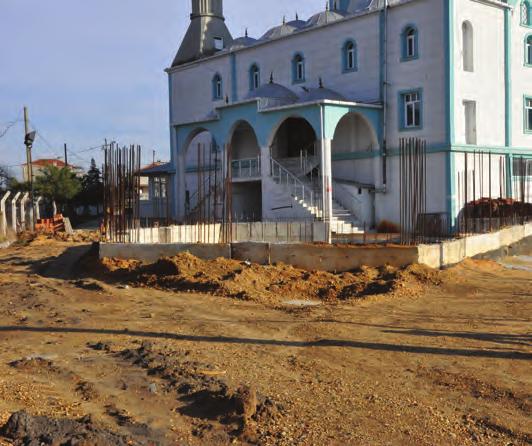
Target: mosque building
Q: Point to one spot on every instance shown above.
(309, 116)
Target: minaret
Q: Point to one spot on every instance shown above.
(207, 32)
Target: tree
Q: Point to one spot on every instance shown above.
(58, 186)
(5, 178)
(92, 188)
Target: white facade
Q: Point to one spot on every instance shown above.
(338, 129)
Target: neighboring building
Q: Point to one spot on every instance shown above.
(324, 102)
(154, 191)
(38, 166)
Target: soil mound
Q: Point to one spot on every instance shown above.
(26, 430)
(242, 280)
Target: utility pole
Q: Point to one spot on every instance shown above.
(29, 137)
(154, 157)
(66, 156)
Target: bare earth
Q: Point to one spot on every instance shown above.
(442, 362)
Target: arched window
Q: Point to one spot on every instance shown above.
(217, 87)
(410, 43)
(298, 68)
(468, 47)
(254, 77)
(528, 50)
(526, 13)
(349, 56)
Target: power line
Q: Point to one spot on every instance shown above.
(9, 126)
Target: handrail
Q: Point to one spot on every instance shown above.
(252, 165)
(358, 204)
(299, 189)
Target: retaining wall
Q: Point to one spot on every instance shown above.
(330, 257)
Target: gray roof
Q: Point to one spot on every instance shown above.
(279, 31)
(161, 169)
(273, 91)
(242, 42)
(324, 17)
(321, 93)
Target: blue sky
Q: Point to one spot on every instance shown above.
(90, 70)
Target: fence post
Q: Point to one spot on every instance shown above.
(38, 208)
(3, 216)
(14, 212)
(23, 202)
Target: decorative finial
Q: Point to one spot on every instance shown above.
(297, 16)
(327, 6)
(271, 77)
(284, 20)
(246, 32)
(226, 99)
(321, 82)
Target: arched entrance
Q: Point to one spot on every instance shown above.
(354, 167)
(245, 160)
(203, 161)
(294, 137)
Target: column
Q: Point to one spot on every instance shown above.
(14, 212)
(3, 217)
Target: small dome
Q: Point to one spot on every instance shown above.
(322, 18)
(242, 42)
(321, 93)
(297, 23)
(279, 31)
(273, 91)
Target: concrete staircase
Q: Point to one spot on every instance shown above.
(293, 175)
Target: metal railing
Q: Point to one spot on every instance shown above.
(298, 189)
(246, 168)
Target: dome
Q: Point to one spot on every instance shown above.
(319, 94)
(242, 42)
(280, 31)
(322, 18)
(297, 23)
(273, 91)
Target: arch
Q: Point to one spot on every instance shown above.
(468, 46)
(526, 13)
(354, 134)
(244, 141)
(349, 56)
(410, 42)
(254, 77)
(298, 68)
(528, 50)
(292, 135)
(217, 87)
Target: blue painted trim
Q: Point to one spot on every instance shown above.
(217, 77)
(404, 43)
(345, 58)
(234, 76)
(528, 63)
(251, 73)
(400, 101)
(295, 80)
(526, 130)
(508, 76)
(522, 18)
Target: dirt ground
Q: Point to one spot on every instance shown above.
(209, 353)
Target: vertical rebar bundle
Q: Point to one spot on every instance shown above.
(413, 190)
(122, 192)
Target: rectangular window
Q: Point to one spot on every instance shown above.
(470, 118)
(218, 43)
(528, 114)
(411, 45)
(300, 71)
(528, 50)
(411, 110)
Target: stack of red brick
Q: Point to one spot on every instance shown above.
(51, 225)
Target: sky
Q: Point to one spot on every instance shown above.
(91, 70)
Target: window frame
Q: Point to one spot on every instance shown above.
(254, 77)
(526, 5)
(404, 112)
(218, 39)
(410, 34)
(528, 50)
(468, 67)
(527, 114)
(349, 51)
(298, 65)
(217, 87)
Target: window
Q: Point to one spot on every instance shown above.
(528, 50)
(349, 56)
(526, 13)
(410, 110)
(218, 43)
(468, 47)
(217, 87)
(254, 77)
(409, 42)
(298, 68)
(528, 114)
(470, 115)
